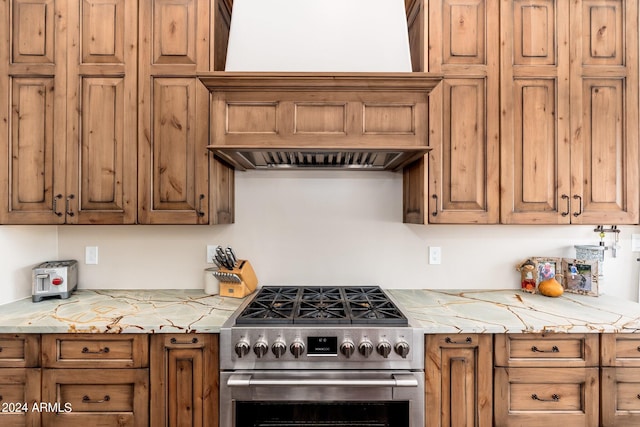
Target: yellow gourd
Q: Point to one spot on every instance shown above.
(550, 287)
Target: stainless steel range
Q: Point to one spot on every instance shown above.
(318, 356)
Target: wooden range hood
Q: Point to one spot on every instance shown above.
(346, 120)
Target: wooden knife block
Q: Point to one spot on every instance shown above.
(248, 281)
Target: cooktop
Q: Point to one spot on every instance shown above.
(321, 305)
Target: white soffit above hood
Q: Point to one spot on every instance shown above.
(319, 36)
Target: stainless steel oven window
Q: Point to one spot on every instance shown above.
(389, 398)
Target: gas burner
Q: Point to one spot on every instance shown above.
(321, 305)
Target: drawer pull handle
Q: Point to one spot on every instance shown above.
(554, 398)
(468, 340)
(435, 209)
(85, 350)
(637, 348)
(194, 340)
(637, 395)
(87, 399)
(554, 349)
(1, 397)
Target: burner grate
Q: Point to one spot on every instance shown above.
(321, 305)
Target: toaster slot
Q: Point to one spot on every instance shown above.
(41, 279)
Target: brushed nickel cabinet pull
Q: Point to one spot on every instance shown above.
(68, 204)
(87, 399)
(554, 349)
(575, 196)
(435, 210)
(467, 340)
(554, 398)
(200, 211)
(565, 213)
(85, 350)
(194, 340)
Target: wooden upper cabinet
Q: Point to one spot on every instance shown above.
(176, 43)
(32, 112)
(569, 101)
(70, 112)
(102, 88)
(463, 167)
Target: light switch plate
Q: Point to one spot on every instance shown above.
(635, 242)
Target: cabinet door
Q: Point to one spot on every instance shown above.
(96, 397)
(569, 98)
(176, 42)
(32, 112)
(102, 89)
(459, 374)
(19, 392)
(535, 140)
(539, 397)
(463, 112)
(184, 380)
(620, 402)
(604, 111)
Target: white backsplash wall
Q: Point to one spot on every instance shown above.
(317, 227)
(21, 248)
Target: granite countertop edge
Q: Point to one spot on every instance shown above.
(457, 311)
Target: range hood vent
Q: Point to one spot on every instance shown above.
(313, 159)
(275, 120)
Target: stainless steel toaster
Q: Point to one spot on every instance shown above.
(54, 279)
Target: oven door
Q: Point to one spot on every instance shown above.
(322, 398)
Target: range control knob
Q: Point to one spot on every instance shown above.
(260, 348)
(297, 348)
(384, 348)
(242, 348)
(365, 347)
(402, 348)
(347, 348)
(279, 348)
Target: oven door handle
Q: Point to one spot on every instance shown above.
(397, 380)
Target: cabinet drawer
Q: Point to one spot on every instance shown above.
(546, 350)
(96, 396)
(620, 350)
(19, 391)
(620, 397)
(546, 396)
(95, 351)
(19, 350)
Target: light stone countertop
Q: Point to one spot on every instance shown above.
(437, 311)
(120, 311)
(514, 311)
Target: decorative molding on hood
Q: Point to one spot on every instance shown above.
(319, 120)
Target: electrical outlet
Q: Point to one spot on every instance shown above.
(91, 255)
(435, 255)
(211, 253)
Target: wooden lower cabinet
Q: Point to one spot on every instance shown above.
(540, 397)
(95, 380)
(20, 378)
(96, 397)
(19, 392)
(546, 379)
(620, 380)
(458, 383)
(184, 380)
